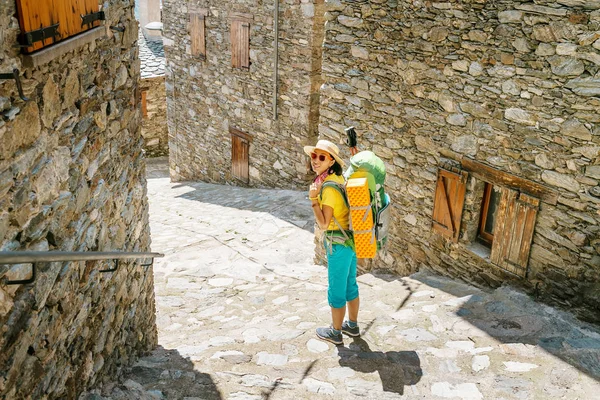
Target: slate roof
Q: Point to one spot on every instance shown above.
(152, 56)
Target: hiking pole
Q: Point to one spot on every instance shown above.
(351, 133)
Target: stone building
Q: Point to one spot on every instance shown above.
(484, 112)
(72, 179)
(240, 103)
(154, 97)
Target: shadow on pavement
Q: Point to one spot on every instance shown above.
(282, 204)
(288, 205)
(509, 316)
(519, 322)
(396, 369)
(157, 167)
(173, 375)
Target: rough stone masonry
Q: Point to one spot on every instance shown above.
(512, 84)
(71, 179)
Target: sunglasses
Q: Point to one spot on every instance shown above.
(321, 157)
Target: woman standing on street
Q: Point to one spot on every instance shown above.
(332, 215)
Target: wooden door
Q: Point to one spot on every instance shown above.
(240, 155)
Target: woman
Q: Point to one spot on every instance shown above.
(332, 215)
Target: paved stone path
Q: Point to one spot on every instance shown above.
(238, 299)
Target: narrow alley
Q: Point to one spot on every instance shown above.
(238, 298)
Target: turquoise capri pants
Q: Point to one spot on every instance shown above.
(341, 274)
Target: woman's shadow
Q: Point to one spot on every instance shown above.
(396, 368)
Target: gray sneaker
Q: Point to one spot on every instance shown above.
(328, 335)
(354, 332)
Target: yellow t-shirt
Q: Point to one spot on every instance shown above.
(333, 198)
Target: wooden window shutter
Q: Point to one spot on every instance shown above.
(197, 35)
(45, 22)
(513, 231)
(240, 44)
(449, 201)
(144, 94)
(235, 33)
(245, 45)
(240, 159)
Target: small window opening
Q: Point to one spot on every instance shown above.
(489, 207)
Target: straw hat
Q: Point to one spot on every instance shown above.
(326, 145)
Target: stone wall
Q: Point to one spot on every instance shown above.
(512, 84)
(206, 98)
(72, 179)
(154, 124)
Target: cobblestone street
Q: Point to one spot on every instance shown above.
(238, 298)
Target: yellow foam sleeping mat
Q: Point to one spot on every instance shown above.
(361, 217)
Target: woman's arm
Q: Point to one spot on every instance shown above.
(323, 217)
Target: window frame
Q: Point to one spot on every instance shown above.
(486, 237)
(515, 216)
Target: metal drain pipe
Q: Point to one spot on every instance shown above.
(276, 59)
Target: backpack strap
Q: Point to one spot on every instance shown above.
(342, 190)
(337, 186)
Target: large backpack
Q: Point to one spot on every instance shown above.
(369, 216)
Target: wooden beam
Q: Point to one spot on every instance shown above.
(246, 17)
(194, 9)
(240, 134)
(504, 179)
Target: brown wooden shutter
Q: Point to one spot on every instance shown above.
(42, 14)
(235, 43)
(144, 104)
(197, 29)
(449, 201)
(240, 159)
(513, 231)
(240, 44)
(245, 45)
